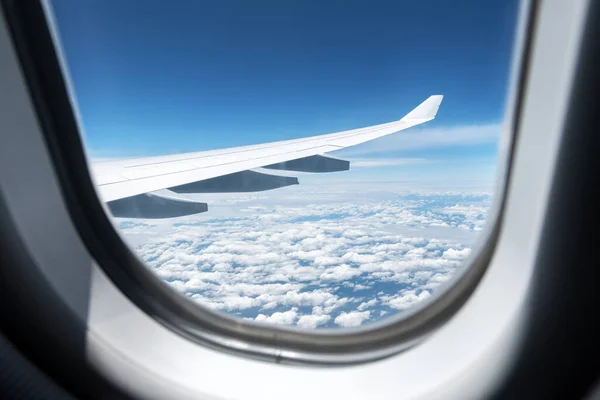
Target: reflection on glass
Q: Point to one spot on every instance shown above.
(323, 244)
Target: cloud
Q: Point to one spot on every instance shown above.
(428, 138)
(340, 273)
(312, 321)
(310, 262)
(367, 304)
(454, 254)
(352, 319)
(284, 318)
(407, 299)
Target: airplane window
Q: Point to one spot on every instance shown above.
(311, 164)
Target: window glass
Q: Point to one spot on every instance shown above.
(316, 246)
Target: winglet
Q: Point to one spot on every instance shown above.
(427, 109)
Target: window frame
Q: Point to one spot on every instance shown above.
(81, 324)
(53, 98)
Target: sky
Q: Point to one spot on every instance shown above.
(155, 77)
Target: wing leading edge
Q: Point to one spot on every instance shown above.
(130, 183)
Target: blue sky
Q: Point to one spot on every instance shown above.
(155, 77)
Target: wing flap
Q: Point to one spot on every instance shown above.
(154, 205)
(238, 182)
(316, 163)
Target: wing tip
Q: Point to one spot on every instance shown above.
(426, 110)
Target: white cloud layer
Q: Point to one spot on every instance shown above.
(317, 260)
(427, 138)
(352, 319)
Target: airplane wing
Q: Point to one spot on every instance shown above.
(135, 188)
